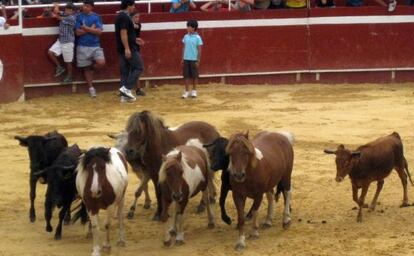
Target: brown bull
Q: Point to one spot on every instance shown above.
(373, 161)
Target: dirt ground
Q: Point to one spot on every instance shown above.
(320, 116)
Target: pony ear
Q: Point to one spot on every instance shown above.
(246, 134)
(22, 140)
(179, 156)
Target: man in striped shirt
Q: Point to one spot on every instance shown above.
(66, 42)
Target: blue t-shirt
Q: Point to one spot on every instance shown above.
(191, 42)
(183, 7)
(88, 39)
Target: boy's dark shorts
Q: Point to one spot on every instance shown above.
(190, 69)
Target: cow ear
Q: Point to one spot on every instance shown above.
(112, 136)
(22, 140)
(246, 134)
(341, 147)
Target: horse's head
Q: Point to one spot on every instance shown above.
(171, 173)
(94, 163)
(144, 136)
(344, 161)
(217, 151)
(242, 155)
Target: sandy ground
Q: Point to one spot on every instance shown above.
(319, 115)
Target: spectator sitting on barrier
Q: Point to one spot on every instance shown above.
(357, 3)
(65, 44)
(215, 6)
(89, 54)
(178, 6)
(139, 42)
(3, 18)
(261, 4)
(242, 5)
(325, 3)
(295, 4)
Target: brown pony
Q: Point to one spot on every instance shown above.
(256, 167)
(149, 139)
(184, 173)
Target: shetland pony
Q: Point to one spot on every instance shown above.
(101, 183)
(256, 167)
(121, 141)
(149, 139)
(183, 174)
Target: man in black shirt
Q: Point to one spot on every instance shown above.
(130, 62)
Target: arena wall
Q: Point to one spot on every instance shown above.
(340, 45)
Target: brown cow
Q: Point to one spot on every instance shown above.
(372, 162)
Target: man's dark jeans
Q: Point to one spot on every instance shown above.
(130, 69)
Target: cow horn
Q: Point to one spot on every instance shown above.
(356, 153)
(209, 145)
(39, 173)
(67, 167)
(329, 151)
(50, 138)
(112, 136)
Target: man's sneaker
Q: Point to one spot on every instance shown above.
(126, 99)
(194, 93)
(59, 70)
(185, 95)
(392, 5)
(67, 80)
(92, 92)
(140, 92)
(126, 92)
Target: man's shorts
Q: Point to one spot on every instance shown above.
(63, 49)
(85, 56)
(190, 69)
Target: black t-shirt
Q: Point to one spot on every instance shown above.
(123, 21)
(137, 28)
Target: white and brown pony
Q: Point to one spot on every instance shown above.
(149, 139)
(101, 182)
(121, 141)
(183, 174)
(256, 167)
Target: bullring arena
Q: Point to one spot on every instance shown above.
(320, 116)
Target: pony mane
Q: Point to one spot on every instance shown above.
(162, 175)
(95, 152)
(239, 137)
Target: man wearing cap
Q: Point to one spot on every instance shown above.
(130, 62)
(89, 54)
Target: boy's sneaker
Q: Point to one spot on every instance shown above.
(67, 80)
(140, 92)
(126, 92)
(194, 93)
(92, 92)
(59, 70)
(185, 95)
(126, 99)
(392, 5)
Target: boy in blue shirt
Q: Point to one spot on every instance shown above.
(191, 58)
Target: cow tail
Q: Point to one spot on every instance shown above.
(81, 214)
(407, 171)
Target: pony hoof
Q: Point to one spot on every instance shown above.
(266, 225)
(254, 235)
(200, 208)
(49, 228)
(179, 242)
(58, 237)
(106, 248)
(286, 225)
(32, 219)
(359, 219)
(120, 243)
(168, 243)
(130, 215)
(147, 205)
(240, 247)
(226, 219)
(211, 225)
(404, 205)
(249, 216)
(173, 232)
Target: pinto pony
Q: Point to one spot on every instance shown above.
(149, 139)
(184, 173)
(256, 167)
(101, 182)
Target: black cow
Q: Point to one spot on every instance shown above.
(43, 151)
(61, 189)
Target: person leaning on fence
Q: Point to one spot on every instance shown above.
(243, 5)
(191, 58)
(65, 43)
(139, 42)
(214, 6)
(89, 54)
(130, 62)
(178, 6)
(392, 4)
(3, 18)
